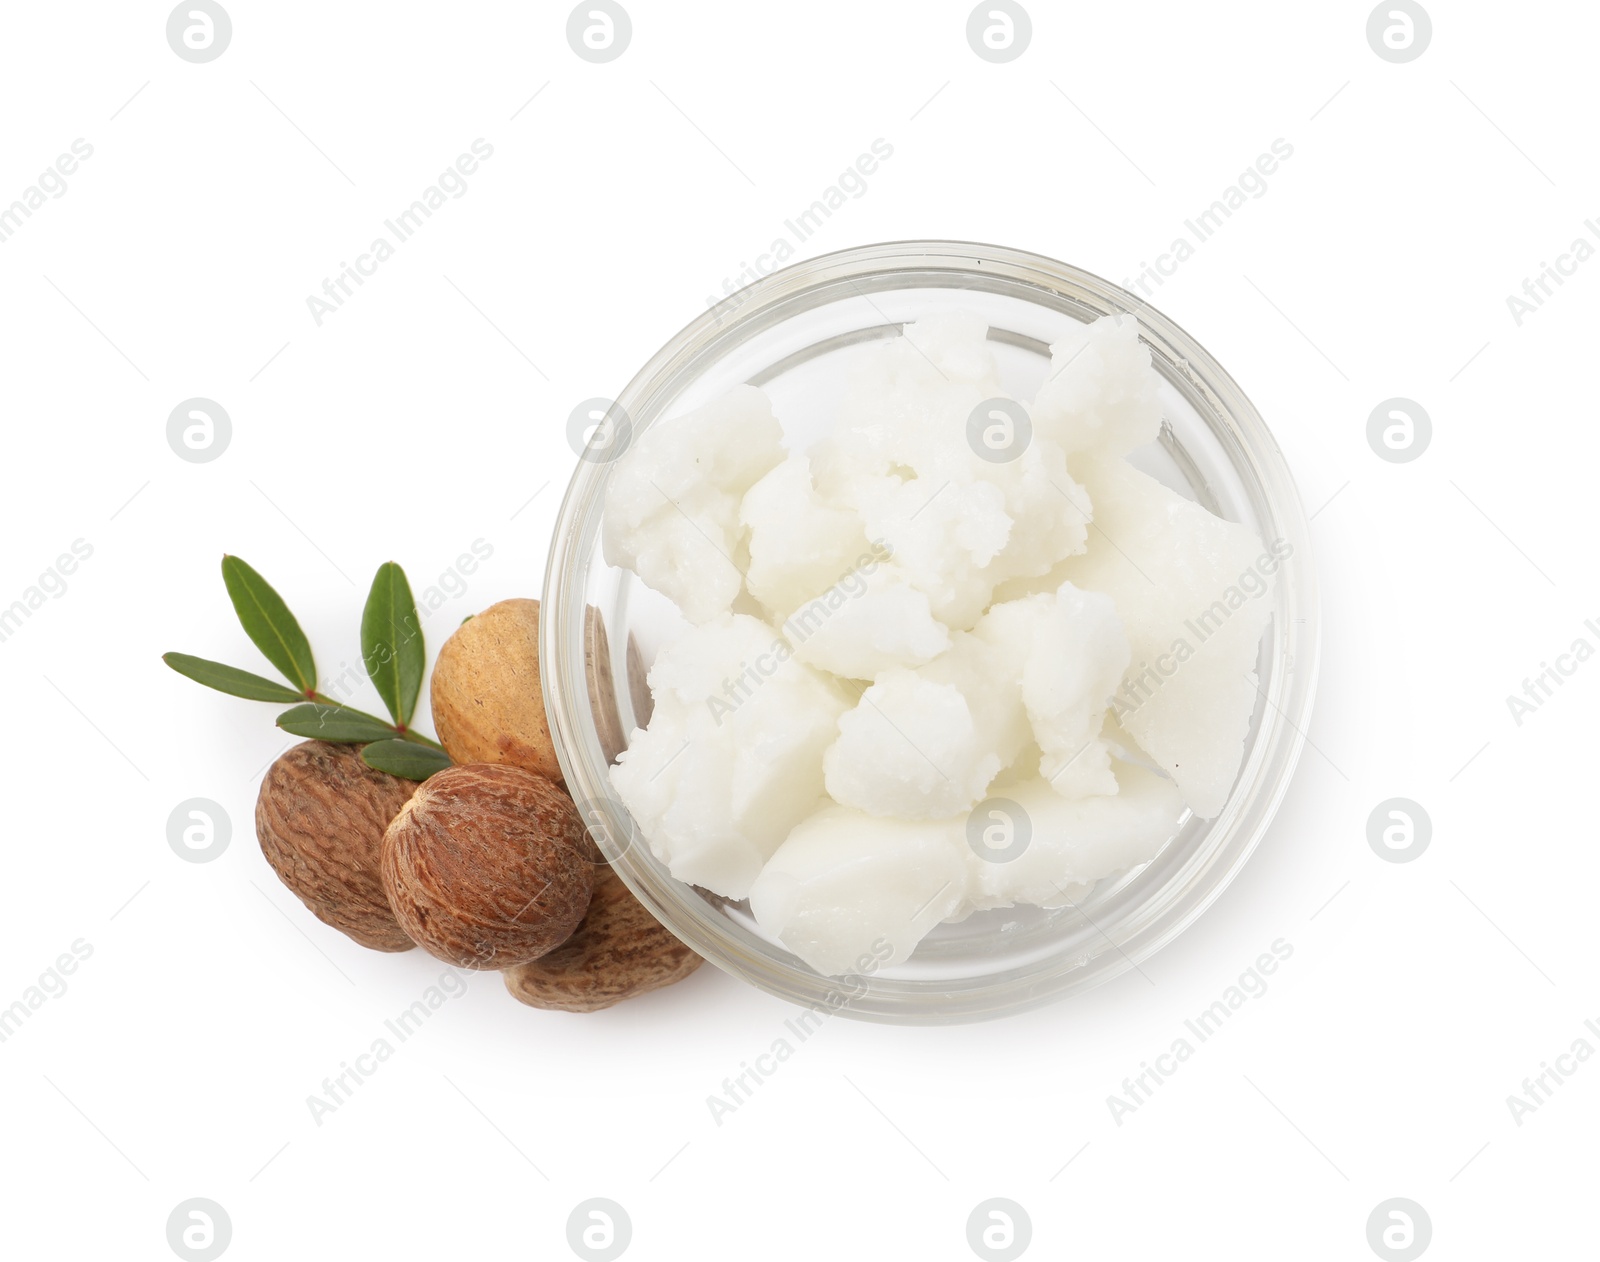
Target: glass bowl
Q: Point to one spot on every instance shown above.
(789, 333)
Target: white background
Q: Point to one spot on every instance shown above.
(430, 412)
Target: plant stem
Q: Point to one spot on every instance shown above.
(416, 738)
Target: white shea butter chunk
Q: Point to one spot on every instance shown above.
(898, 456)
(870, 621)
(896, 386)
(1050, 514)
(1194, 593)
(1074, 654)
(911, 749)
(944, 534)
(902, 456)
(1073, 844)
(1100, 396)
(953, 344)
(847, 886)
(926, 743)
(836, 596)
(732, 758)
(906, 401)
(672, 505)
(800, 545)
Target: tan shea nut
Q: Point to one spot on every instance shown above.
(320, 818)
(488, 866)
(487, 702)
(619, 951)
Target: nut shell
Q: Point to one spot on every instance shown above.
(603, 700)
(320, 819)
(619, 951)
(488, 866)
(488, 706)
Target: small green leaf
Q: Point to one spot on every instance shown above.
(405, 759)
(229, 679)
(334, 723)
(391, 642)
(269, 624)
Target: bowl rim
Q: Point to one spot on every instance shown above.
(1281, 722)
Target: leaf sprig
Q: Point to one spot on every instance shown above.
(392, 650)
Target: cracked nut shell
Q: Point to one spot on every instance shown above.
(619, 951)
(320, 819)
(488, 866)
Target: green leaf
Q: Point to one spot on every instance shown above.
(405, 759)
(269, 624)
(335, 723)
(391, 642)
(229, 679)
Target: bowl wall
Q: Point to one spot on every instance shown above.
(790, 334)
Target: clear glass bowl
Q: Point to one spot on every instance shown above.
(788, 333)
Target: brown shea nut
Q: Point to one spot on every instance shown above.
(488, 866)
(488, 706)
(619, 951)
(320, 819)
